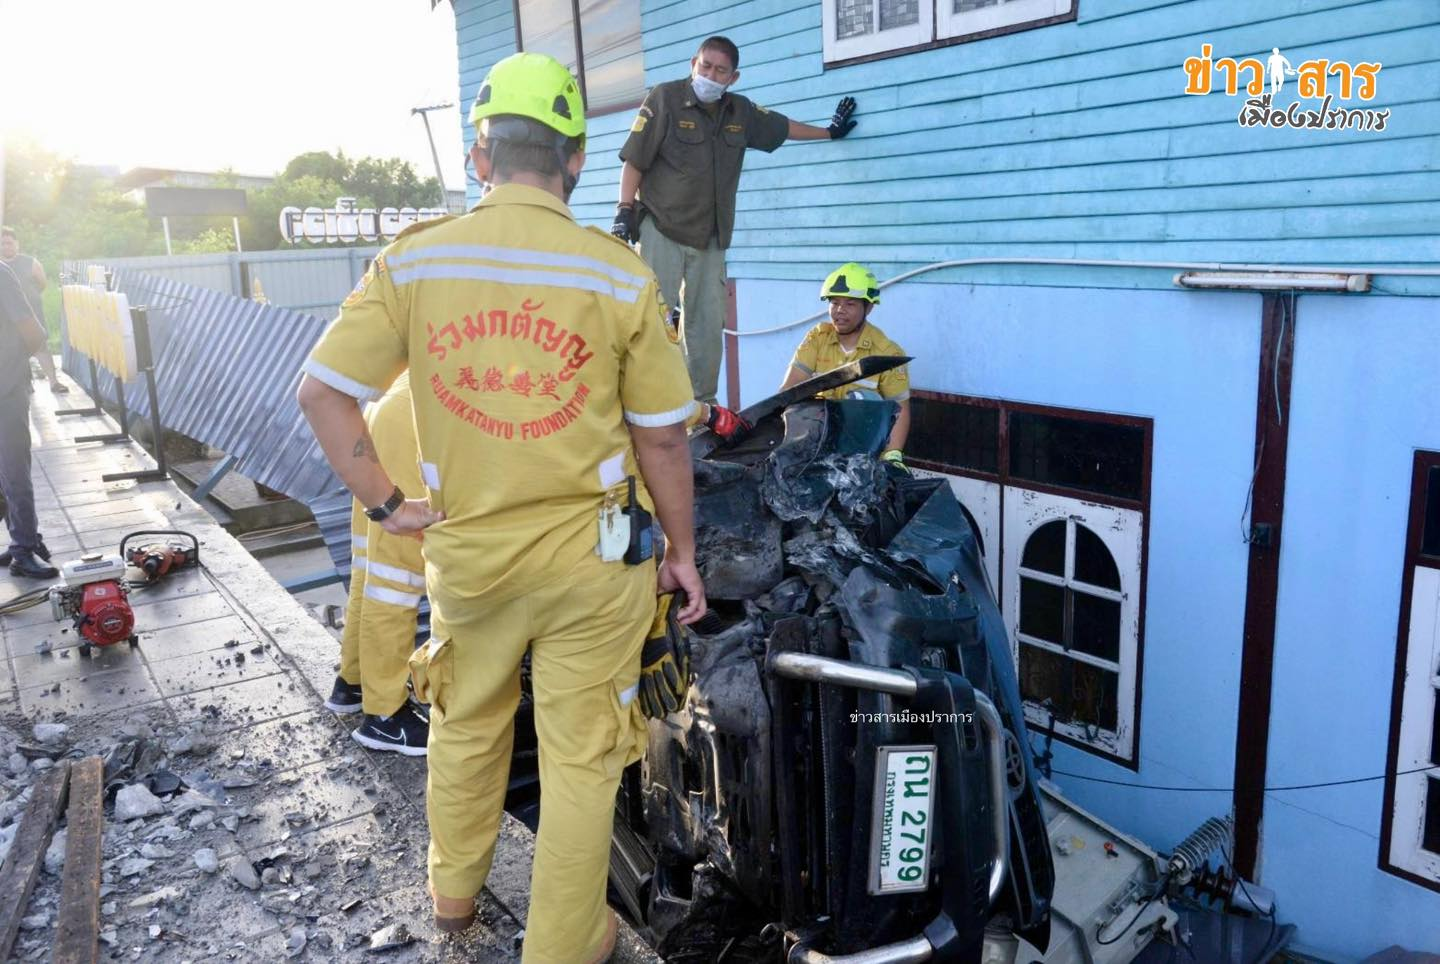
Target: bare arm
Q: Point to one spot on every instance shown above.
(792, 378)
(664, 457)
(901, 430)
(37, 270)
(340, 429)
(807, 132)
(630, 178)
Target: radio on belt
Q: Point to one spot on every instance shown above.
(642, 541)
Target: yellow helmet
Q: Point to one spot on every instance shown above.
(851, 280)
(530, 85)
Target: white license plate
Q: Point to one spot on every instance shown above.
(904, 811)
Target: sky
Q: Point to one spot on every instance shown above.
(207, 85)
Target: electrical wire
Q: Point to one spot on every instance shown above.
(1297, 786)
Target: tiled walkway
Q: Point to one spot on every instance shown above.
(228, 658)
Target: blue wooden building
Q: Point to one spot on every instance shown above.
(1212, 515)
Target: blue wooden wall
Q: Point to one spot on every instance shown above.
(1072, 141)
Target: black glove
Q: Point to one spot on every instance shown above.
(624, 225)
(840, 123)
(665, 660)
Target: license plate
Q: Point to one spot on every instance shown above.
(903, 812)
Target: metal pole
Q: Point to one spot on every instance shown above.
(165, 223)
(424, 113)
(235, 223)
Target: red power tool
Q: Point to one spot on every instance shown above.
(155, 559)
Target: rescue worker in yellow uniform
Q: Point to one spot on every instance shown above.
(387, 580)
(853, 291)
(547, 386)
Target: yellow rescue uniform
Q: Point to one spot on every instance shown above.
(387, 572)
(820, 351)
(531, 342)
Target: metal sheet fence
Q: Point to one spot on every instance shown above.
(226, 373)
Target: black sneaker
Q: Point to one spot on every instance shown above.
(404, 732)
(344, 697)
(25, 564)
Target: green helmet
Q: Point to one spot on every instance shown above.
(851, 280)
(530, 85)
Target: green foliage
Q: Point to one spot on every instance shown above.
(63, 210)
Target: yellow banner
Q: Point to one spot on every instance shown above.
(98, 325)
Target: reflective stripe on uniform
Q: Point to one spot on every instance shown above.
(662, 418)
(514, 276)
(393, 573)
(410, 600)
(629, 694)
(485, 252)
(359, 542)
(339, 382)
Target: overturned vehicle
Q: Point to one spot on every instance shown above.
(847, 776)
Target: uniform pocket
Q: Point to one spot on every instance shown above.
(431, 672)
(631, 733)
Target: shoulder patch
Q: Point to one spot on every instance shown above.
(668, 317)
(639, 125)
(377, 268)
(419, 226)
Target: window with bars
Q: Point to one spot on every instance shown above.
(1411, 837)
(862, 28)
(609, 61)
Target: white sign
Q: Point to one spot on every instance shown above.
(346, 222)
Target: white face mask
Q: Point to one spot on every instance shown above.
(706, 90)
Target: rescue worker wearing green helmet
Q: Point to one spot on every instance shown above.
(546, 387)
(853, 292)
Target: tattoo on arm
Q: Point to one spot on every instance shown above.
(365, 449)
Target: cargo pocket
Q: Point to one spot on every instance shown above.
(431, 671)
(631, 733)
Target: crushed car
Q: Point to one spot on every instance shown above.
(847, 775)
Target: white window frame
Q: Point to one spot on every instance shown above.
(922, 31)
(937, 23)
(1417, 708)
(1006, 13)
(1123, 533)
(982, 500)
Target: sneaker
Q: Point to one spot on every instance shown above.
(404, 732)
(25, 564)
(344, 697)
(58, 389)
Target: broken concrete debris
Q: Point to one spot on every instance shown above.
(135, 802)
(206, 859)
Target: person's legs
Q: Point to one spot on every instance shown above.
(15, 470)
(395, 572)
(469, 673)
(585, 667)
(666, 258)
(704, 318)
(355, 602)
(47, 365)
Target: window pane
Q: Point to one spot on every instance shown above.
(1097, 625)
(854, 18)
(964, 6)
(1430, 541)
(1435, 732)
(614, 62)
(1042, 611)
(899, 13)
(1079, 693)
(1091, 456)
(954, 433)
(1430, 838)
(1093, 562)
(1045, 549)
(548, 27)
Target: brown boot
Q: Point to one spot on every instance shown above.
(452, 914)
(607, 946)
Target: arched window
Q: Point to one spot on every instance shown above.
(1070, 628)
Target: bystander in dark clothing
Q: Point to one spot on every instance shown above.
(27, 555)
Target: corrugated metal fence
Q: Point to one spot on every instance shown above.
(226, 372)
(306, 280)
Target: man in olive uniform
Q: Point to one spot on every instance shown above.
(677, 189)
(852, 292)
(31, 274)
(546, 385)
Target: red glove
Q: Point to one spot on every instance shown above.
(726, 424)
